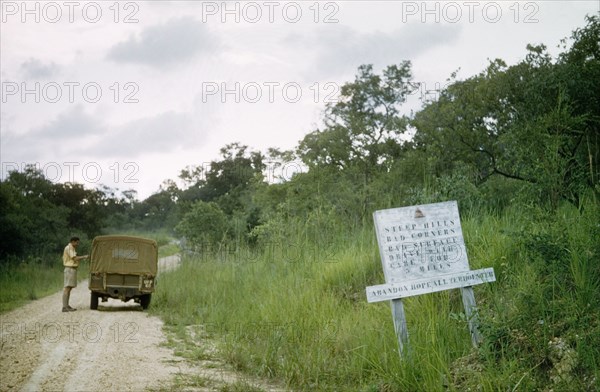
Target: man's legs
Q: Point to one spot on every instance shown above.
(70, 282)
(65, 299)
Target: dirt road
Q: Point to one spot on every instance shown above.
(117, 348)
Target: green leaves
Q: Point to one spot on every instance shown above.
(531, 122)
(363, 128)
(205, 224)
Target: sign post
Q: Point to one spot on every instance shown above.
(422, 251)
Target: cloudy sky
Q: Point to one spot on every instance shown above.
(128, 93)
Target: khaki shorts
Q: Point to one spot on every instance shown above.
(70, 277)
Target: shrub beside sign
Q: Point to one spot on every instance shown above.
(422, 251)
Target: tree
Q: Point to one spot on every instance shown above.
(204, 225)
(157, 211)
(227, 178)
(362, 136)
(530, 122)
(31, 224)
(12, 233)
(86, 206)
(364, 127)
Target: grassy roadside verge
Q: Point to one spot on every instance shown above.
(298, 314)
(24, 281)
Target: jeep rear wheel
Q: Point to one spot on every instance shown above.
(145, 300)
(94, 301)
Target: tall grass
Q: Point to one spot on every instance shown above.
(300, 315)
(22, 281)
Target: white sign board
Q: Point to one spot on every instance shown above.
(422, 250)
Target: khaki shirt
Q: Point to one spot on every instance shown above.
(69, 256)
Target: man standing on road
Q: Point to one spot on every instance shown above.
(71, 262)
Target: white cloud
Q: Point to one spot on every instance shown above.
(35, 69)
(76, 134)
(343, 49)
(164, 132)
(60, 137)
(178, 40)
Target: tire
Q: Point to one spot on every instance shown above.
(145, 300)
(94, 301)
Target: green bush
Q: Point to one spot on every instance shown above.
(204, 224)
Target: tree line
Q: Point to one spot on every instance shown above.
(524, 133)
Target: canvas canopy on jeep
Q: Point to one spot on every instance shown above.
(124, 255)
(123, 267)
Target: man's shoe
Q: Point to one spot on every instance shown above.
(68, 309)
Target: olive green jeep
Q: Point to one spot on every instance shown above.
(123, 267)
